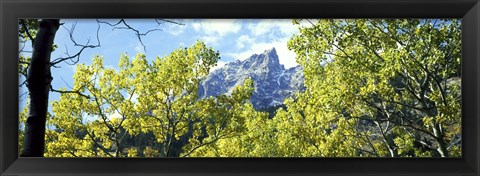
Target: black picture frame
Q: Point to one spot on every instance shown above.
(12, 10)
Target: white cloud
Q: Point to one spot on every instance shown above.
(278, 33)
(197, 26)
(269, 26)
(139, 48)
(219, 27)
(220, 64)
(213, 30)
(175, 29)
(283, 29)
(244, 40)
(209, 40)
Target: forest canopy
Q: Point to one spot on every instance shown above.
(373, 88)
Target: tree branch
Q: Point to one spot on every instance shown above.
(83, 47)
(69, 91)
(27, 31)
(98, 145)
(136, 31)
(203, 144)
(159, 21)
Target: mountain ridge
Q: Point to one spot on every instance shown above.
(272, 82)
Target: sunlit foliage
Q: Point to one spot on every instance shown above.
(374, 88)
(378, 87)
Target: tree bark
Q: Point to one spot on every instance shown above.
(442, 147)
(38, 83)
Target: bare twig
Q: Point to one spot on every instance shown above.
(24, 82)
(21, 50)
(122, 24)
(22, 95)
(159, 21)
(66, 83)
(128, 27)
(83, 47)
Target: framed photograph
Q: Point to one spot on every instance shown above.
(221, 87)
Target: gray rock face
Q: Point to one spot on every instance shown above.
(273, 83)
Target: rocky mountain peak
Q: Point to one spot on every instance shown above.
(273, 83)
(266, 60)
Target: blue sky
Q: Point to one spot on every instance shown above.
(233, 38)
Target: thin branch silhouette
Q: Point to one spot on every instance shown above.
(122, 24)
(76, 57)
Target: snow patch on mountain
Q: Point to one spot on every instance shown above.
(272, 82)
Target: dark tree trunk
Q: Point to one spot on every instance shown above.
(38, 82)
